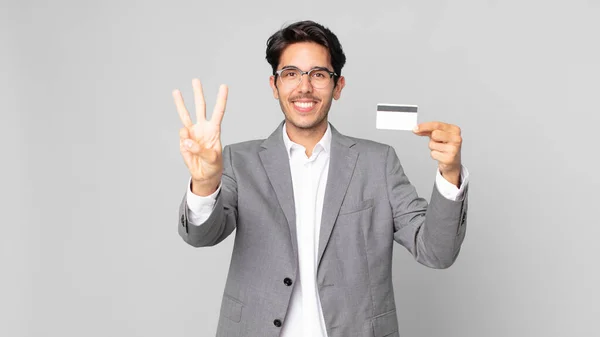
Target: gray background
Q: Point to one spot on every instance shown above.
(91, 174)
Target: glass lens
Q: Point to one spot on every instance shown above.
(290, 76)
(319, 78)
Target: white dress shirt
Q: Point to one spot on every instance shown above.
(309, 178)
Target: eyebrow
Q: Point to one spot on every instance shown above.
(316, 67)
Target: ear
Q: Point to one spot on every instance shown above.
(274, 87)
(337, 91)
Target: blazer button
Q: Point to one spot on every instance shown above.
(287, 281)
(277, 323)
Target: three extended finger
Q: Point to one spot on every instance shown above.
(199, 100)
(181, 110)
(219, 111)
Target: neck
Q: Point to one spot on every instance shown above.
(306, 137)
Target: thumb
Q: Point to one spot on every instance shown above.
(191, 146)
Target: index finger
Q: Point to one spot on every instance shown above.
(199, 100)
(184, 115)
(429, 127)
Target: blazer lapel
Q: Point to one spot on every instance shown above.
(276, 162)
(342, 161)
(341, 167)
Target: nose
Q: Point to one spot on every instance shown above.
(305, 85)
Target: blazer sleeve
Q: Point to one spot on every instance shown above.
(223, 219)
(432, 233)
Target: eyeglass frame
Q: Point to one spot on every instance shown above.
(278, 73)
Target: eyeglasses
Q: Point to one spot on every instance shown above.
(319, 77)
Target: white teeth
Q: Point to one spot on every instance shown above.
(304, 105)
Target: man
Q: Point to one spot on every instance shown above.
(316, 212)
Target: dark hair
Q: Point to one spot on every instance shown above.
(306, 31)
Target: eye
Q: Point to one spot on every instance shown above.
(320, 74)
(289, 73)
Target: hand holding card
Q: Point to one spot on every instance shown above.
(445, 142)
(445, 139)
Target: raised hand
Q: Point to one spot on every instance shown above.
(200, 143)
(445, 144)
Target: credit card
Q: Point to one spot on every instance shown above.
(396, 116)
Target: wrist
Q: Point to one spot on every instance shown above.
(452, 176)
(205, 188)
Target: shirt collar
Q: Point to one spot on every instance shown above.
(324, 143)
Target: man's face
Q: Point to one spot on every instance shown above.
(304, 106)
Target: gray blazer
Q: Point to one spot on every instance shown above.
(369, 203)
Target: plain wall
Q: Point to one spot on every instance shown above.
(91, 174)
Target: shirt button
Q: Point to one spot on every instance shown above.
(287, 281)
(277, 323)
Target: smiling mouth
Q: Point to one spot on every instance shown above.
(304, 105)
